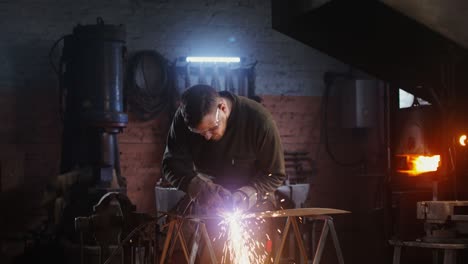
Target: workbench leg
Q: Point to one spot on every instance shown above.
(396, 254)
(339, 254)
(321, 244)
(450, 256)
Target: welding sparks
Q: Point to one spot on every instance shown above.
(241, 246)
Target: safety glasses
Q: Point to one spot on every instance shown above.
(209, 130)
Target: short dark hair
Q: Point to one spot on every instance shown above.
(196, 102)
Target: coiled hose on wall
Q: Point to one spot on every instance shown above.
(148, 84)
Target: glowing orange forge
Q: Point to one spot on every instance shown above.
(417, 164)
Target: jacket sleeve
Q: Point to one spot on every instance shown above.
(177, 163)
(270, 158)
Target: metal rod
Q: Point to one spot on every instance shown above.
(208, 243)
(313, 235)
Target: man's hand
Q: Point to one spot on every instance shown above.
(239, 201)
(244, 198)
(207, 193)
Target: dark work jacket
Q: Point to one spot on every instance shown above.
(248, 154)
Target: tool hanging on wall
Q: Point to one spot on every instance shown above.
(149, 88)
(236, 77)
(215, 78)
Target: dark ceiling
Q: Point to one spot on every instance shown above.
(449, 18)
(420, 46)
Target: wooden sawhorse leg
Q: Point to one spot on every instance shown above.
(201, 233)
(175, 234)
(175, 231)
(328, 226)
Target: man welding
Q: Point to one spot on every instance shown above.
(224, 151)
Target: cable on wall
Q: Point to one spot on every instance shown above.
(148, 84)
(329, 78)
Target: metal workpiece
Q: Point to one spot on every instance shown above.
(444, 221)
(297, 193)
(292, 227)
(167, 198)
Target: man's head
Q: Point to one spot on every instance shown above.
(204, 111)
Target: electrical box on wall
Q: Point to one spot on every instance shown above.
(358, 103)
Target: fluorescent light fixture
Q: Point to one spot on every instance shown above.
(212, 59)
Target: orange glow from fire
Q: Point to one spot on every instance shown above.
(420, 164)
(462, 140)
